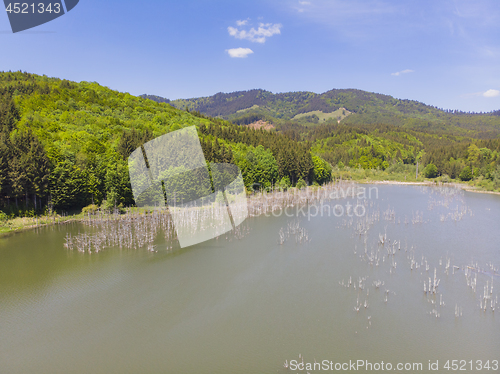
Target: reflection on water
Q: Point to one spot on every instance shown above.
(414, 279)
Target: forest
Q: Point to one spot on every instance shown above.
(364, 108)
(65, 145)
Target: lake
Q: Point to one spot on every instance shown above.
(332, 288)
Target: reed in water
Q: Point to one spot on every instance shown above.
(139, 228)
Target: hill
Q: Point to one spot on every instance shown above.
(355, 128)
(349, 106)
(158, 99)
(65, 144)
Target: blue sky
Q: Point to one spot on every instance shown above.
(441, 52)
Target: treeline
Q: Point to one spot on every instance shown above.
(251, 118)
(369, 147)
(381, 146)
(24, 166)
(156, 98)
(466, 160)
(293, 159)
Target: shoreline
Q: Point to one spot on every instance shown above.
(398, 183)
(78, 217)
(481, 191)
(462, 186)
(20, 229)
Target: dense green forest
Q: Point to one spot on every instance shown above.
(65, 145)
(382, 146)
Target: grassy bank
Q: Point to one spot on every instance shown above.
(25, 223)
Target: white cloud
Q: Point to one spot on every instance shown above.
(403, 72)
(259, 35)
(242, 22)
(239, 52)
(491, 93)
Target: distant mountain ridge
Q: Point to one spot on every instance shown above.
(158, 99)
(245, 107)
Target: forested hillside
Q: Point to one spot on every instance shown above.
(361, 107)
(66, 144)
(381, 146)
